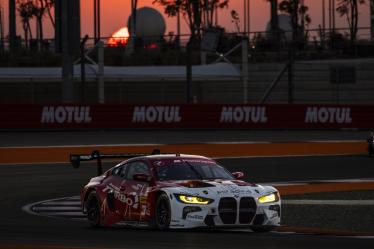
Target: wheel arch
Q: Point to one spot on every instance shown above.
(85, 198)
(162, 194)
(154, 201)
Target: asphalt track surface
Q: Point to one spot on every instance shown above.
(169, 137)
(24, 184)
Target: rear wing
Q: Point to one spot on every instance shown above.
(76, 159)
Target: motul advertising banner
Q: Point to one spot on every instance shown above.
(186, 116)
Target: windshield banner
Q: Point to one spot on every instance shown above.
(194, 116)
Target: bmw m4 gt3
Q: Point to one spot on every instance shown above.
(173, 191)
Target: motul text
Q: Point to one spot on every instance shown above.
(240, 114)
(159, 114)
(66, 114)
(331, 115)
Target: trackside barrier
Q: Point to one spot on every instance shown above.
(17, 116)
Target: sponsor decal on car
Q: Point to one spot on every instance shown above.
(234, 190)
(195, 217)
(199, 161)
(159, 163)
(220, 192)
(130, 200)
(137, 186)
(143, 210)
(177, 225)
(143, 199)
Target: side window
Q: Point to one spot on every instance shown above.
(120, 170)
(136, 167)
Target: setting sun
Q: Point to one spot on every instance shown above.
(119, 38)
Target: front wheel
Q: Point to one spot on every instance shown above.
(163, 212)
(93, 210)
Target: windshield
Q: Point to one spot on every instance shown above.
(191, 170)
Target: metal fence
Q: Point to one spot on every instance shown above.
(318, 42)
(324, 82)
(317, 77)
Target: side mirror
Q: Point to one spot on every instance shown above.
(142, 177)
(238, 175)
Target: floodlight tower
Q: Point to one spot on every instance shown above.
(12, 24)
(134, 5)
(97, 21)
(179, 27)
(1, 29)
(67, 42)
(323, 15)
(274, 21)
(247, 16)
(332, 9)
(372, 18)
(131, 43)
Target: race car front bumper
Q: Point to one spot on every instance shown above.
(226, 212)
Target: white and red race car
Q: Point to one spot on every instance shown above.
(175, 191)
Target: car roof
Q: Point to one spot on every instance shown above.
(172, 156)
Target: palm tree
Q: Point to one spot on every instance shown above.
(295, 9)
(235, 19)
(39, 8)
(25, 10)
(12, 24)
(193, 12)
(50, 4)
(349, 8)
(29, 9)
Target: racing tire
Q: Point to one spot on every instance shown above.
(162, 213)
(93, 210)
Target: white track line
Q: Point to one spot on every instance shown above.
(330, 202)
(80, 146)
(335, 141)
(162, 144)
(360, 237)
(238, 142)
(295, 183)
(60, 212)
(284, 156)
(216, 158)
(57, 208)
(71, 215)
(60, 203)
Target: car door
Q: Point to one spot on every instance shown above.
(114, 184)
(136, 191)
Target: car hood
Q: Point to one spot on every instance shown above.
(203, 183)
(207, 188)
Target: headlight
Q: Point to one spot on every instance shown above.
(269, 198)
(194, 199)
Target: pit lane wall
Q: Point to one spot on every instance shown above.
(107, 116)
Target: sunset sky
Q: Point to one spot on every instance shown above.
(116, 12)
